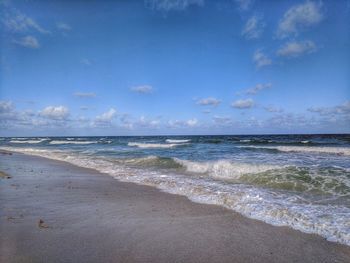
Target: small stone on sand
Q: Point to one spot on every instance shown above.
(41, 224)
(4, 175)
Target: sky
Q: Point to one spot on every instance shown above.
(162, 67)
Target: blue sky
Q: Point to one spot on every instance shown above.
(174, 67)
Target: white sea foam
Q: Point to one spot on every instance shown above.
(154, 145)
(245, 140)
(28, 141)
(225, 169)
(306, 149)
(176, 141)
(73, 142)
(283, 209)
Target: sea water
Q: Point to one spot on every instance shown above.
(300, 181)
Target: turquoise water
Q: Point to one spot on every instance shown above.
(302, 181)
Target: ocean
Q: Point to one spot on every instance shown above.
(300, 181)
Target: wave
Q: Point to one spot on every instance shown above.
(214, 141)
(72, 142)
(328, 180)
(221, 169)
(276, 208)
(245, 140)
(152, 161)
(155, 145)
(28, 141)
(177, 141)
(305, 149)
(277, 142)
(224, 169)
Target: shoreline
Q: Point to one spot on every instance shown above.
(185, 187)
(118, 221)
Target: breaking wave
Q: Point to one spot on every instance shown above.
(73, 142)
(176, 141)
(304, 149)
(154, 145)
(28, 141)
(224, 169)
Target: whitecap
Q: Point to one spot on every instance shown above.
(154, 145)
(225, 169)
(177, 141)
(305, 149)
(28, 141)
(73, 142)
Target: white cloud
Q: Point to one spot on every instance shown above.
(85, 94)
(260, 59)
(243, 104)
(209, 101)
(273, 109)
(183, 124)
(63, 26)
(254, 28)
(258, 87)
(55, 112)
(175, 123)
(28, 41)
(219, 120)
(126, 121)
(143, 122)
(16, 120)
(18, 22)
(296, 49)
(287, 120)
(244, 5)
(343, 109)
(299, 17)
(55, 119)
(192, 122)
(6, 106)
(10, 118)
(107, 116)
(168, 5)
(145, 89)
(86, 62)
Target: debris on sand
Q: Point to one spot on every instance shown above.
(5, 153)
(13, 218)
(41, 224)
(4, 175)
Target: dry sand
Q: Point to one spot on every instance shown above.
(87, 216)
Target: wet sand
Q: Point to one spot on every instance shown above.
(87, 216)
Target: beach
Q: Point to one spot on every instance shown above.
(52, 211)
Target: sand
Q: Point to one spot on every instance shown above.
(52, 211)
